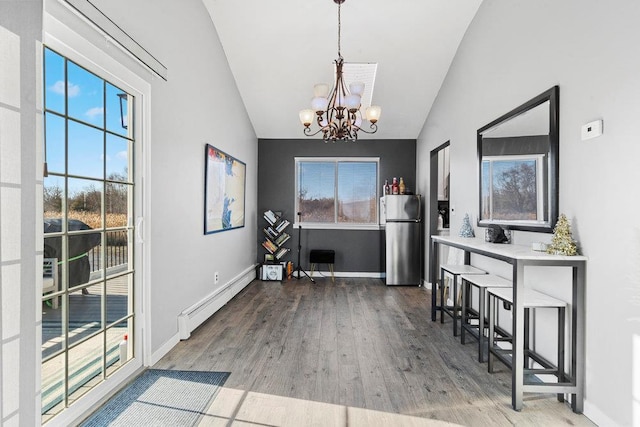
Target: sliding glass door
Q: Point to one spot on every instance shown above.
(88, 293)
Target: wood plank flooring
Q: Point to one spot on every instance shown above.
(351, 353)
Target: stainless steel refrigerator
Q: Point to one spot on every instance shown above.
(403, 239)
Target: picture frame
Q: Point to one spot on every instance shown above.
(224, 191)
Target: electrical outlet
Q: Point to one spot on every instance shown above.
(216, 277)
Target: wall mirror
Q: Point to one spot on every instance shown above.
(518, 162)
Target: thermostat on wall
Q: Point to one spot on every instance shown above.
(592, 130)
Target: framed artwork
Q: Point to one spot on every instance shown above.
(224, 190)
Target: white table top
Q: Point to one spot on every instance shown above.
(504, 250)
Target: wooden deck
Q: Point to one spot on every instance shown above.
(85, 360)
(351, 353)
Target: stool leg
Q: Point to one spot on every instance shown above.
(492, 314)
(464, 314)
(481, 298)
(456, 307)
(442, 301)
(561, 320)
(313, 265)
(333, 279)
(526, 348)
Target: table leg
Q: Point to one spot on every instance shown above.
(561, 326)
(517, 369)
(433, 260)
(578, 336)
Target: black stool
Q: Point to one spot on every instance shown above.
(322, 256)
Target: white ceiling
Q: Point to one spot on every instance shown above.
(277, 51)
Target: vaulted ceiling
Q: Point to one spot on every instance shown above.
(278, 50)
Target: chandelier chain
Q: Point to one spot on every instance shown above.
(339, 30)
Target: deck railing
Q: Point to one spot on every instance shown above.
(116, 251)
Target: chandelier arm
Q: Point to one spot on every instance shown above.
(307, 131)
(372, 126)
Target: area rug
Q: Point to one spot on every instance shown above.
(161, 398)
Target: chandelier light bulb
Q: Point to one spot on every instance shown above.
(321, 90)
(356, 88)
(319, 103)
(306, 117)
(352, 102)
(373, 113)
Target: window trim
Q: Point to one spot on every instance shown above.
(337, 225)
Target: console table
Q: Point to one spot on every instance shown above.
(519, 256)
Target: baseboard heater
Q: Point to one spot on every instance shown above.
(195, 315)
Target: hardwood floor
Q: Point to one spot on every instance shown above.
(351, 353)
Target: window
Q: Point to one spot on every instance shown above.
(337, 192)
(512, 188)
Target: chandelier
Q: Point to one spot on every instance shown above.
(338, 113)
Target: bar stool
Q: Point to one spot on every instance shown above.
(481, 282)
(532, 300)
(455, 270)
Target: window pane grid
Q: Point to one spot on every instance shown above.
(88, 211)
(334, 191)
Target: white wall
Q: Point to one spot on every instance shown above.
(20, 201)
(513, 51)
(198, 104)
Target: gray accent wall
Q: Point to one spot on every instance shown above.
(357, 251)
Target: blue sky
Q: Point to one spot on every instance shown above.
(86, 98)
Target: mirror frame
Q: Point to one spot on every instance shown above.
(553, 96)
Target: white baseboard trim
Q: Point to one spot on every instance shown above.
(368, 274)
(597, 416)
(427, 285)
(164, 349)
(195, 315)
